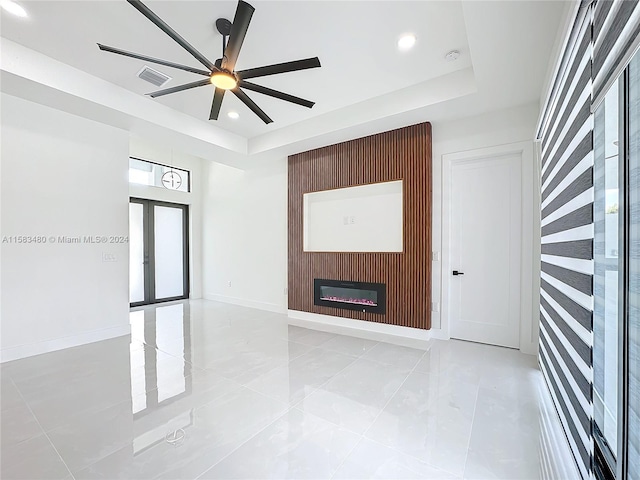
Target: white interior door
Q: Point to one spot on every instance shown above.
(485, 250)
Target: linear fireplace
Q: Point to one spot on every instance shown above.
(361, 296)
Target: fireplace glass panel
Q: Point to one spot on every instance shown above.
(349, 295)
(364, 297)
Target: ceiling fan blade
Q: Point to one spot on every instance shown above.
(217, 103)
(275, 93)
(249, 103)
(279, 68)
(142, 8)
(179, 88)
(106, 48)
(239, 27)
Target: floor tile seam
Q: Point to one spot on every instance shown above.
(354, 359)
(410, 370)
(362, 357)
(296, 405)
(313, 347)
(322, 343)
(337, 469)
(413, 457)
(444, 470)
(327, 351)
(421, 349)
(270, 370)
(44, 432)
(473, 420)
(315, 389)
(271, 397)
(76, 378)
(6, 373)
(245, 442)
(278, 399)
(239, 386)
(363, 435)
(391, 397)
(234, 378)
(4, 412)
(289, 360)
(128, 400)
(342, 353)
(438, 374)
(109, 451)
(322, 419)
(375, 342)
(181, 357)
(226, 377)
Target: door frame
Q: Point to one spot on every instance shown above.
(530, 235)
(149, 243)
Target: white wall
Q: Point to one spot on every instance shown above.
(245, 235)
(158, 153)
(366, 218)
(61, 176)
(483, 131)
(245, 225)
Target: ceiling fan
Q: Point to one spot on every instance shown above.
(222, 73)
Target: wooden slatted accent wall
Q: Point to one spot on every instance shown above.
(403, 154)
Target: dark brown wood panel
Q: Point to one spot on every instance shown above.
(403, 154)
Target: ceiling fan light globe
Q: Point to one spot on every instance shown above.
(224, 80)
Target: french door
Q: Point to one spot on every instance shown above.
(158, 252)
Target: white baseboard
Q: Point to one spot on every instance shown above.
(30, 349)
(269, 307)
(406, 336)
(529, 348)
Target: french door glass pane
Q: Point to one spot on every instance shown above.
(633, 420)
(169, 261)
(136, 252)
(607, 267)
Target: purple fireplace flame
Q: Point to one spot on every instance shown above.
(355, 301)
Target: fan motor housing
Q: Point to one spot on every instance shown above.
(223, 26)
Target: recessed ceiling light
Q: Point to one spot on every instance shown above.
(233, 115)
(13, 8)
(452, 56)
(406, 41)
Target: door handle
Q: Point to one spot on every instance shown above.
(456, 273)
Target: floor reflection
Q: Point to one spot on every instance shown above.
(209, 390)
(157, 377)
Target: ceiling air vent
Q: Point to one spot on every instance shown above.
(153, 76)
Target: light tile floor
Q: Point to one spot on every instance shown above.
(208, 390)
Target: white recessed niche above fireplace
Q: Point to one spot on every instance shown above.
(366, 218)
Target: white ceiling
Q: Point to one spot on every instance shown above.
(505, 49)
